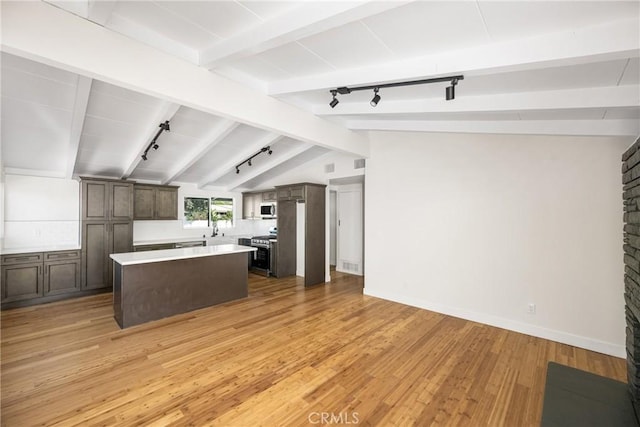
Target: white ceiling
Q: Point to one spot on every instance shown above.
(530, 67)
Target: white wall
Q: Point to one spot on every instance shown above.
(481, 226)
(40, 212)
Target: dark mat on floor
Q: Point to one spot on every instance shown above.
(577, 398)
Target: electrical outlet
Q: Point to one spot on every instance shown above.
(532, 309)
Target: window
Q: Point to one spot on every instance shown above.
(222, 212)
(203, 212)
(196, 212)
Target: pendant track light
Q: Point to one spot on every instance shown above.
(334, 101)
(154, 144)
(266, 149)
(450, 92)
(376, 97)
(343, 90)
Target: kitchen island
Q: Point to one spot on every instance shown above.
(157, 284)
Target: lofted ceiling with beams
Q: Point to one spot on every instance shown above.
(530, 67)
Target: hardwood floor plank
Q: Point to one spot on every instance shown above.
(282, 356)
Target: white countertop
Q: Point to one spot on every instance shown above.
(130, 258)
(11, 251)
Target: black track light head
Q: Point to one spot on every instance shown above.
(144, 157)
(450, 92)
(376, 98)
(165, 126)
(156, 146)
(237, 170)
(334, 101)
(249, 162)
(270, 152)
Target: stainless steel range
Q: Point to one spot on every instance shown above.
(262, 257)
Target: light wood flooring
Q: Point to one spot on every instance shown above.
(285, 355)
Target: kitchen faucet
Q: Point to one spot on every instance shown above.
(215, 229)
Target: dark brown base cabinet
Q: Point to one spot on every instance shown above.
(35, 278)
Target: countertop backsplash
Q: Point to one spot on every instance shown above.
(41, 234)
(153, 230)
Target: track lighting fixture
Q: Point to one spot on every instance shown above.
(343, 90)
(163, 126)
(334, 101)
(266, 149)
(450, 91)
(376, 98)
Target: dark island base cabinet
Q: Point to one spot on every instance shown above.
(155, 290)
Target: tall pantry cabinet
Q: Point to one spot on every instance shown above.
(107, 227)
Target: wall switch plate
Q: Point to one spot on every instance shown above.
(532, 309)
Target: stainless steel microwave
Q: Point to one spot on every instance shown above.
(267, 210)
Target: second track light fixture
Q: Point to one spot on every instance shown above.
(344, 90)
(248, 159)
(154, 142)
(376, 97)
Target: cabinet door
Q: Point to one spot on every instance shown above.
(284, 193)
(61, 277)
(120, 241)
(297, 192)
(21, 281)
(121, 197)
(166, 203)
(95, 200)
(144, 202)
(248, 206)
(286, 248)
(95, 241)
(269, 196)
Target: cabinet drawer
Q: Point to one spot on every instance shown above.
(142, 248)
(61, 255)
(21, 258)
(179, 245)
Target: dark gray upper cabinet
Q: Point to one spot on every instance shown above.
(291, 192)
(270, 196)
(105, 200)
(155, 202)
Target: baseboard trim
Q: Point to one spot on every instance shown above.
(501, 322)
